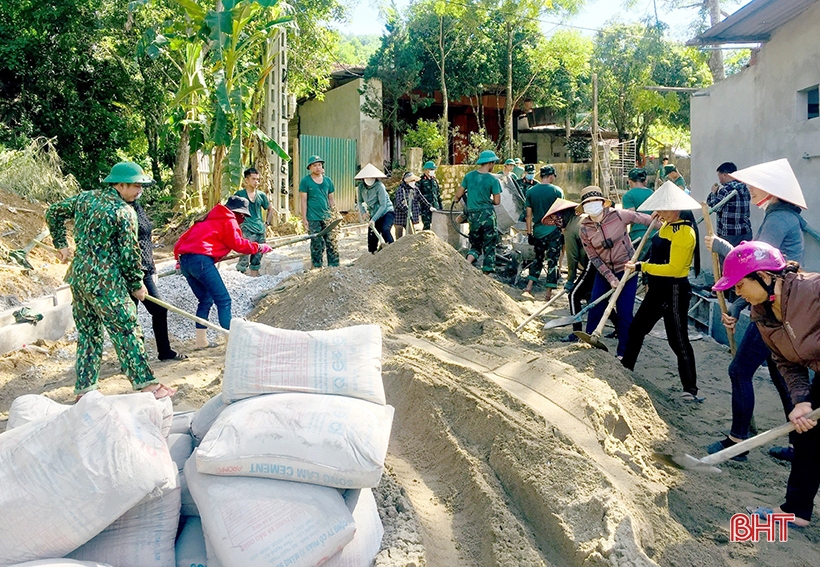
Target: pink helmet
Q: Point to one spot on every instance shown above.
(747, 258)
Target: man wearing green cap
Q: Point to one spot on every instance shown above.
(428, 185)
(545, 239)
(316, 190)
(634, 198)
(105, 269)
(482, 190)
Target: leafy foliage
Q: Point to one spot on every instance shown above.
(427, 136)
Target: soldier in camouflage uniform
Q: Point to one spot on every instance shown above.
(430, 190)
(105, 269)
(318, 210)
(482, 190)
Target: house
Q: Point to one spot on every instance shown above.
(769, 110)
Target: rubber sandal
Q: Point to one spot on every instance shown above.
(725, 443)
(782, 453)
(690, 397)
(211, 344)
(177, 356)
(763, 513)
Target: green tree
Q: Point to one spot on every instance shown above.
(357, 49)
(427, 136)
(567, 58)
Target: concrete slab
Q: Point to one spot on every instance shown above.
(56, 322)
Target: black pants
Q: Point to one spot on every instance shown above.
(670, 300)
(804, 479)
(383, 226)
(581, 292)
(159, 319)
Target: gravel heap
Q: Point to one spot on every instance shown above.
(176, 291)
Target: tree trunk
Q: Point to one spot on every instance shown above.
(445, 113)
(196, 185)
(716, 56)
(508, 127)
(215, 194)
(180, 179)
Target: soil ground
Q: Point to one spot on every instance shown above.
(506, 449)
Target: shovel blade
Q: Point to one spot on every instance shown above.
(685, 462)
(561, 322)
(592, 339)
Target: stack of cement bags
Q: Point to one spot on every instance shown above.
(93, 481)
(289, 451)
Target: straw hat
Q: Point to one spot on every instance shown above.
(560, 205)
(669, 197)
(370, 170)
(591, 193)
(775, 178)
(409, 177)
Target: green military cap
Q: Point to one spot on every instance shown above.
(487, 156)
(127, 172)
(429, 165)
(637, 174)
(314, 159)
(509, 162)
(529, 168)
(667, 169)
(547, 170)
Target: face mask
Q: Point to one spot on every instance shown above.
(530, 175)
(765, 202)
(369, 181)
(594, 208)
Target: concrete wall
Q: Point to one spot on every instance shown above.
(339, 115)
(546, 146)
(755, 116)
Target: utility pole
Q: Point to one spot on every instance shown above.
(276, 116)
(595, 128)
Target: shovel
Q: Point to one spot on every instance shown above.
(716, 269)
(378, 235)
(595, 338)
(537, 313)
(719, 204)
(293, 240)
(190, 316)
(20, 256)
(578, 317)
(707, 463)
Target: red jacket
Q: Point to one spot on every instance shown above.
(215, 236)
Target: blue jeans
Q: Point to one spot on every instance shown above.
(208, 287)
(625, 304)
(751, 353)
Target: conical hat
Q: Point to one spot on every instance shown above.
(669, 197)
(370, 170)
(775, 178)
(560, 205)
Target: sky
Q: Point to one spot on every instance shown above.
(365, 18)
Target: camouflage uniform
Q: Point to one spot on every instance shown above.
(105, 269)
(483, 236)
(317, 245)
(549, 247)
(430, 190)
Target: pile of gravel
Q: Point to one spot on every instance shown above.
(176, 291)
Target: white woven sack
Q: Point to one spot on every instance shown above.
(142, 537)
(67, 477)
(181, 445)
(32, 407)
(213, 560)
(369, 531)
(256, 522)
(261, 360)
(61, 563)
(326, 440)
(191, 545)
(182, 422)
(205, 416)
(187, 506)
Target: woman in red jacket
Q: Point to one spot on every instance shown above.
(202, 246)
(785, 306)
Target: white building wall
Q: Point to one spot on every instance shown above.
(753, 117)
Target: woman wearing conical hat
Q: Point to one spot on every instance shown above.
(774, 188)
(375, 205)
(668, 289)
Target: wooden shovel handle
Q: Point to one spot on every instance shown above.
(716, 269)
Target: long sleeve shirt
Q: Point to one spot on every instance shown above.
(681, 251)
(576, 255)
(607, 243)
(733, 218)
(374, 200)
(215, 236)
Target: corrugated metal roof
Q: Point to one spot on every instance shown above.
(753, 23)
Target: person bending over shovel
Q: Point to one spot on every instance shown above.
(201, 247)
(106, 268)
(375, 205)
(785, 306)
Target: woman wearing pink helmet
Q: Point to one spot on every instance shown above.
(785, 303)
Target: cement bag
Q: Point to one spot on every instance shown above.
(326, 440)
(187, 506)
(181, 445)
(258, 522)
(61, 563)
(213, 560)
(191, 545)
(142, 537)
(67, 477)
(262, 360)
(205, 416)
(182, 422)
(32, 407)
(369, 531)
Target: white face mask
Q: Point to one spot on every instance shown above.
(369, 181)
(594, 208)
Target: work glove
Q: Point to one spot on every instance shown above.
(530, 240)
(569, 286)
(432, 209)
(264, 248)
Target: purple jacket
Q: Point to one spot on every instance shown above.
(613, 228)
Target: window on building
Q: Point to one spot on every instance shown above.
(813, 102)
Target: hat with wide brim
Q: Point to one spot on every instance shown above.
(669, 197)
(314, 159)
(487, 156)
(560, 205)
(238, 205)
(591, 193)
(128, 172)
(775, 178)
(370, 170)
